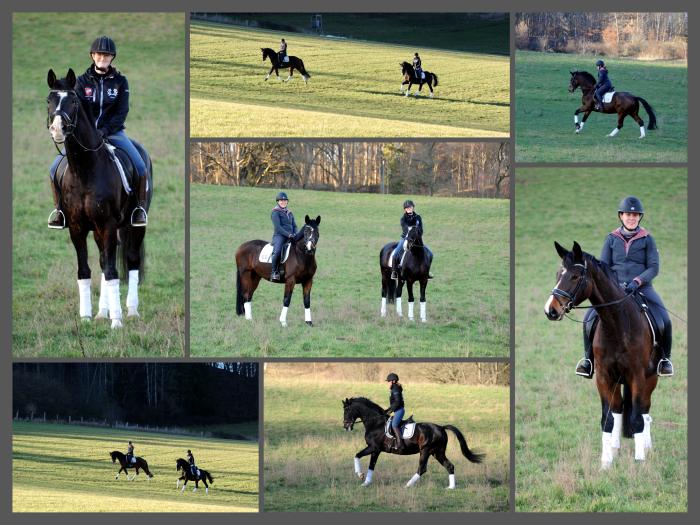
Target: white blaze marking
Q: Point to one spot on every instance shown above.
(308, 245)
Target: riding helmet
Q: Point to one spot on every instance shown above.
(630, 205)
(189, 451)
(408, 203)
(392, 377)
(599, 63)
(104, 44)
(281, 196)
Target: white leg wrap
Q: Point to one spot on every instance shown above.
(614, 132)
(575, 119)
(248, 311)
(606, 458)
(410, 310)
(399, 308)
(103, 312)
(358, 467)
(642, 133)
(283, 316)
(368, 479)
(115, 307)
(85, 298)
(132, 296)
(647, 431)
(616, 431)
(382, 311)
(452, 482)
(580, 127)
(639, 452)
(423, 316)
(413, 480)
(307, 315)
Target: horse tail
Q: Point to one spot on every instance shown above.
(391, 291)
(211, 480)
(436, 79)
(627, 412)
(239, 294)
(128, 241)
(650, 112)
(471, 456)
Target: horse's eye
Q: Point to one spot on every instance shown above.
(575, 277)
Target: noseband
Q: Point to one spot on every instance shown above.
(570, 298)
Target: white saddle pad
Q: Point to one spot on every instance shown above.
(266, 253)
(407, 429)
(607, 98)
(286, 58)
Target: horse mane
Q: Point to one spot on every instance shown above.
(585, 74)
(598, 264)
(367, 403)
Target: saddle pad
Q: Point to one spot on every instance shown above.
(607, 98)
(286, 59)
(422, 75)
(266, 253)
(120, 168)
(407, 429)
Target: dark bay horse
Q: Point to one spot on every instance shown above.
(94, 199)
(139, 464)
(294, 63)
(623, 348)
(622, 103)
(428, 440)
(409, 77)
(300, 268)
(182, 465)
(415, 267)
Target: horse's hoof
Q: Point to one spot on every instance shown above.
(102, 314)
(361, 475)
(133, 312)
(309, 323)
(116, 323)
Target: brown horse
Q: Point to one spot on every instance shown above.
(623, 348)
(622, 103)
(300, 268)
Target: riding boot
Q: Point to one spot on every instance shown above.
(57, 219)
(584, 367)
(139, 217)
(398, 437)
(665, 367)
(275, 274)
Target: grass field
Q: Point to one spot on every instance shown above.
(544, 109)
(353, 91)
(309, 457)
(467, 302)
(67, 468)
(558, 441)
(45, 293)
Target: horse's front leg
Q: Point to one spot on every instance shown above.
(196, 485)
(402, 85)
(109, 249)
(288, 289)
(272, 68)
(184, 484)
(579, 125)
(358, 466)
(370, 470)
(307, 301)
(611, 418)
(399, 291)
(423, 286)
(408, 89)
(133, 264)
(409, 288)
(422, 467)
(79, 238)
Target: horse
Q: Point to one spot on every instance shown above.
(622, 103)
(415, 267)
(184, 466)
(409, 77)
(294, 63)
(429, 439)
(93, 199)
(139, 464)
(623, 348)
(300, 267)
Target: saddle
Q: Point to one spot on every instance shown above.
(656, 322)
(407, 426)
(266, 253)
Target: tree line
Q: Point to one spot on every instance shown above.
(464, 169)
(637, 35)
(181, 394)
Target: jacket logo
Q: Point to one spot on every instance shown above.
(112, 92)
(88, 91)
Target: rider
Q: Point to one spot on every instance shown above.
(417, 66)
(283, 51)
(193, 467)
(129, 453)
(603, 86)
(631, 252)
(409, 218)
(106, 90)
(285, 230)
(396, 406)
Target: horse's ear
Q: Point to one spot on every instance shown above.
(51, 78)
(318, 220)
(563, 252)
(306, 219)
(70, 77)
(572, 73)
(578, 252)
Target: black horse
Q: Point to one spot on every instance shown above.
(299, 267)
(428, 440)
(623, 348)
(94, 199)
(622, 103)
(294, 63)
(184, 466)
(138, 464)
(409, 77)
(415, 267)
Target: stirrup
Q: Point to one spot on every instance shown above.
(145, 214)
(658, 367)
(580, 365)
(63, 219)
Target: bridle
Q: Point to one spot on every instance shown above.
(310, 239)
(571, 297)
(69, 121)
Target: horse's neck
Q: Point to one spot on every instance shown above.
(81, 145)
(372, 420)
(606, 291)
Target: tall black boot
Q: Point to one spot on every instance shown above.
(275, 274)
(584, 367)
(139, 217)
(57, 219)
(398, 437)
(665, 367)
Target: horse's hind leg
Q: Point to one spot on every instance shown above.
(134, 253)
(108, 236)
(620, 120)
(385, 287)
(645, 407)
(442, 458)
(291, 72)
(249, 283)
(422, 467)
(430, 86)
(639, 121)
(79, 238)
(399, 290)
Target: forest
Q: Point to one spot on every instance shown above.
(455, 169)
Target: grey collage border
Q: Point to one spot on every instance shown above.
(185, 6)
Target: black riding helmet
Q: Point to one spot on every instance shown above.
(600, 63)
(189, 451)
(631, 204)
(408, 203)
(104, 44)
(281, 196)
(392, 377)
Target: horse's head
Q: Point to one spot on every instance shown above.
(349, 414)
(113, 455)
(573, 285)
(311, 233)
(413, 237)
(580, 79)
(267, 53)
(63, 105)
(406, 68)
(181, 464)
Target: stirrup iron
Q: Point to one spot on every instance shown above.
(63, 219)
(583, 360)
(145, 214)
